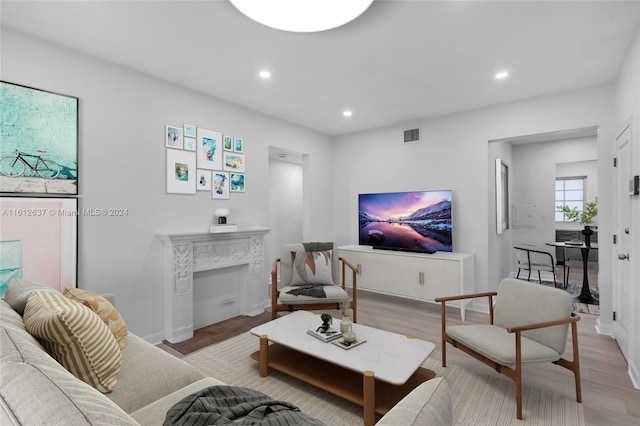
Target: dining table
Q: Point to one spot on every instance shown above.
(585, 294)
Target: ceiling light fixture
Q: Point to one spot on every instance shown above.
(502, 75)
(347, 113)
(302, 16)
(265, 74)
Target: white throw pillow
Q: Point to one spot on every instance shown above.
(312, 267)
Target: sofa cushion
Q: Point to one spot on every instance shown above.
(335, 294)
(148, 373)
(19, 291)
(16, 347)
(312, 267)
(428, 404)
(499, 345)
(75, 336)
(105, 310)
(37, 394)
(12, 320)
(155, 413)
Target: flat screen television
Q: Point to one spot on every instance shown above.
(418, 221)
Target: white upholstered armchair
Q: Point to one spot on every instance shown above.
(529, 323)
(312, 277)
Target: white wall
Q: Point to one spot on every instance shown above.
(455, 154)
(122, 164)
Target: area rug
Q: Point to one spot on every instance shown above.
(477, 399)
(577, 306)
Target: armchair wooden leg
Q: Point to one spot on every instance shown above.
(576, 360)
(443, 333)
(518, 378)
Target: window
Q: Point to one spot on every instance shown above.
(569, 192)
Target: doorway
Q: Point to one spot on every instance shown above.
(286, 201)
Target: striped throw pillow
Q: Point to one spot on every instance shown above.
(105, 310)
(76, 337)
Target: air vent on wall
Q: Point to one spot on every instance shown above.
(412, 135)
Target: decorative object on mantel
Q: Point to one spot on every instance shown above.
(585, 217)
(222, 214)
(221, 222)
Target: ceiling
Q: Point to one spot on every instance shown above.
(398, 62)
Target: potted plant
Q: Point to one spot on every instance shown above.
(585, 217)
(327, 320)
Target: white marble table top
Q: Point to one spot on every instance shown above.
(392, 357)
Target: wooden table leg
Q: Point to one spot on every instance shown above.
(264, 356)
(369, 398)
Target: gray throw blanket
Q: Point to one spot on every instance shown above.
(220, 405)
(311, 290)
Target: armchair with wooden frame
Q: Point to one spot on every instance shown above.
(312, 277)
(529, 323)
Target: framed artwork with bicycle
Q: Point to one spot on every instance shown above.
(39, 132)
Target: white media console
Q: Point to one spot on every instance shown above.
(419, 276)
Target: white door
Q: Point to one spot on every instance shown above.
(622, 282)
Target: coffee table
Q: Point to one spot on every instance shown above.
(376, 374)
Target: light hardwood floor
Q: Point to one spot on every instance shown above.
(607, 393)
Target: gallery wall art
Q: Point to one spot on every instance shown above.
(200, 159)
(39, 133)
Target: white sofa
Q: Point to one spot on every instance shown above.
(35, 389)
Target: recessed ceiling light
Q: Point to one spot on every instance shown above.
(502, 75)
(347, 113)
(265, 74)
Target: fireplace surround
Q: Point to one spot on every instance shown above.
(188, 253)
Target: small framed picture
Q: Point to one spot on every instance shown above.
(227, 143)
(173, 137)
(238, 145)
(203, 180)
(181, 172)
(189, 130)
(220, 183)
(209, 149)
(233, 162)
(237, 182)
(189, 144)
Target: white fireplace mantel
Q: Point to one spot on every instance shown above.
(187, 253)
